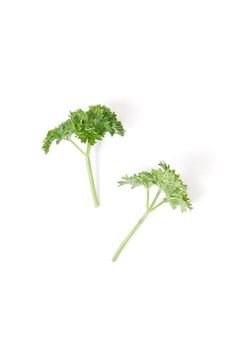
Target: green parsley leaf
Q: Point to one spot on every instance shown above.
(89, 127)
(169, 185)
(166, 180)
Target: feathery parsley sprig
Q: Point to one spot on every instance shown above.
(89, 127)
(169, 185)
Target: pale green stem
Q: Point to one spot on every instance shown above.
(139, 223)
(89, 170)
(127, 238)
(90, 176)
(155, 199)
(147, 197)
(158, 205)
(76, 146)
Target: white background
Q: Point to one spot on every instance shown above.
(165, 67)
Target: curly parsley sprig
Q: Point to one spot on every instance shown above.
(89, 127)
(169, 185)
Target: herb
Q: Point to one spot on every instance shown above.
(169, 185)
(89, 127)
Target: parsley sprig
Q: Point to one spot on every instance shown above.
(89, 127)
(170, 187)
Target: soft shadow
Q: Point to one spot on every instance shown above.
(127, 116)
(125, 112)
(97, 157)
(195, 167)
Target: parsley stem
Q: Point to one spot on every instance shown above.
(155, 199)
(158, 205)
(147, 197)
(150, 208)
(75, 144)
(90, 176)
(131, 233)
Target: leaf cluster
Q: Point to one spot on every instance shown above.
(89, 127)
(167, 181)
